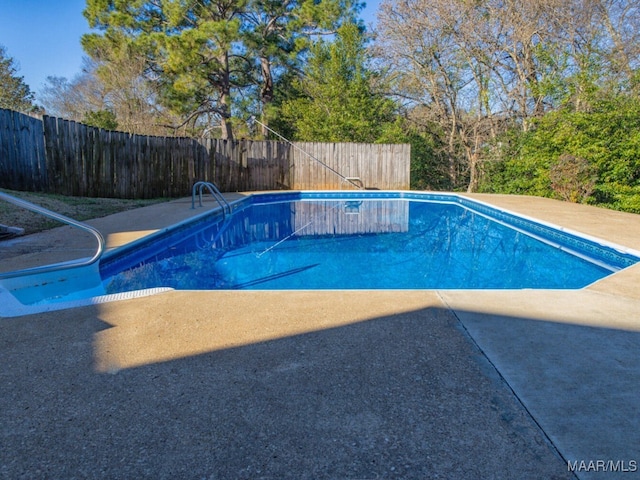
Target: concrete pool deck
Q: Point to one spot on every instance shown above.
(340, 384)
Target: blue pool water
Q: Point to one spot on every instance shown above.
(363, 241)
(333, 240)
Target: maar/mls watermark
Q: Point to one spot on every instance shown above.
(629, 466)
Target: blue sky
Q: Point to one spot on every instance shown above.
(43, 36)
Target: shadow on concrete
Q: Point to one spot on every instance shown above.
(581, 383)
(398, 396)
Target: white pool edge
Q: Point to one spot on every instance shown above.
(11, 307)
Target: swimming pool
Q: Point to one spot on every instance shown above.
(341, 240)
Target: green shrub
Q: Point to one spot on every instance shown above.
(588, 156)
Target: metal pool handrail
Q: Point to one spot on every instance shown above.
(215, 192)
(61, 218)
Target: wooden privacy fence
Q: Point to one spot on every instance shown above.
(381, 166)
(69, 158)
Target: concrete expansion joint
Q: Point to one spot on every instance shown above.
(502, 378)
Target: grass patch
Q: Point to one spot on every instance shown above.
(78, 208)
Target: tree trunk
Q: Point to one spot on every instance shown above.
(225, 100)
(225, 125)
(266, 92)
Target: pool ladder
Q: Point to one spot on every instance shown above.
(61, 218)
(215, 193)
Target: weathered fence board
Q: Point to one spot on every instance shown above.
(22, 151)
(383, 166)
(60, 156)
